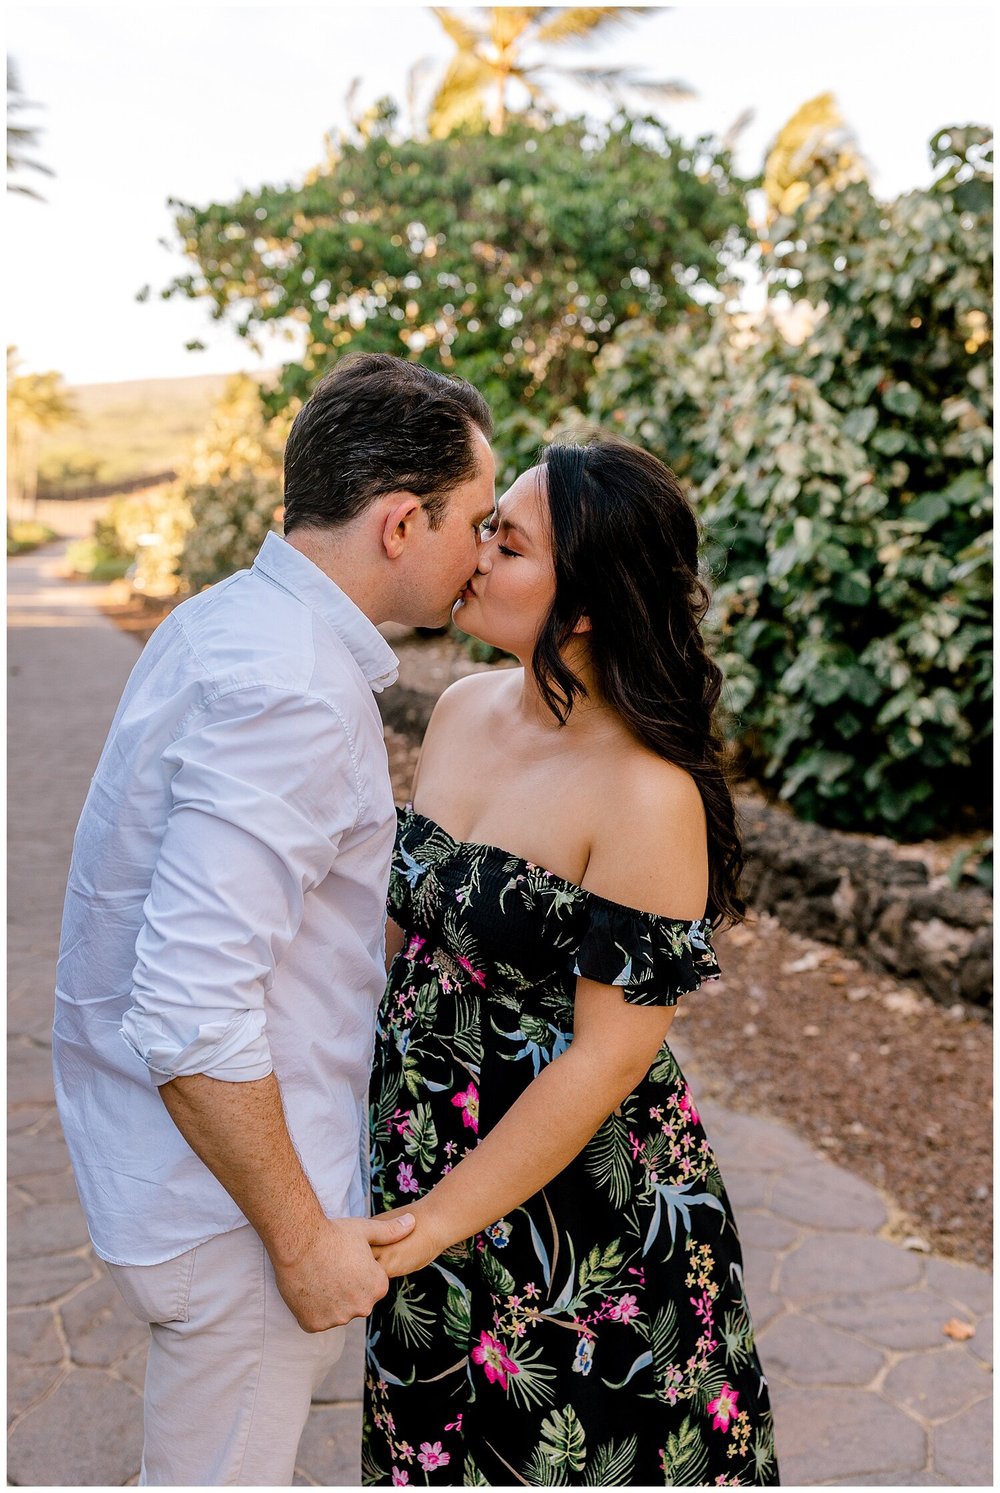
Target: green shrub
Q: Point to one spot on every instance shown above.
(93, 560)
(25, 535)
(844, 488)
(232, 487)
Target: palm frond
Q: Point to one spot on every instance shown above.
(612, 1467)
(709, 1384)
(539, 1473)
(412, 1319)
(532, 1387)
(664, 1336)
(618, 80)
(509, 23)
(20, 136)
(737, 127)
(579, 23)
(608, 1160)
(670, 91)
(417, 75)
(464, 34)
(459, 99)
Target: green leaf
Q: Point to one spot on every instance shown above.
(685, 1456)
(889, 442)
(859, 424)
(562, 1440)
(902, 399)
(422, 1138)
(498, 1278)
(929, 509)
(458, 1316)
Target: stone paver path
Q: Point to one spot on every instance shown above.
(868, 1391)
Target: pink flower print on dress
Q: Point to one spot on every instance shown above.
(495, 1360)
(475, 974)
(414, 946)
(625, 1308)
(723, 1408)
(399, 1478)
(406, 1180)
(468, 1102)
(687, 1107)
(432, 1456)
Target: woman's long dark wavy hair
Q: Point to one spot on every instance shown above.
(625, 547)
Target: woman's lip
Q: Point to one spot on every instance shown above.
(467, 590)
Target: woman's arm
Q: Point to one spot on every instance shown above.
(394, 940)
(613, 1047)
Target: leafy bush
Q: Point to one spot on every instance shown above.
(23, 536)
(844, 487)
(90, 559)
(232, 487)
(139, 536)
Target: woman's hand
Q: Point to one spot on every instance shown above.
(418, 1249)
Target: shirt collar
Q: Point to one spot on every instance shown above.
(289, 568)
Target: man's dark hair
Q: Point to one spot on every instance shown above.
(374, 425)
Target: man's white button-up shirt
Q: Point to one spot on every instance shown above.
(225, 907)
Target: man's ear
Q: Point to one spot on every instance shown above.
(400, 519)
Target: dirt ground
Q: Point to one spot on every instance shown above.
(896, 1087)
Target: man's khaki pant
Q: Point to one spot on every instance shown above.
(230, 1374)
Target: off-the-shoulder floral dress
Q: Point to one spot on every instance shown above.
(599, 1334)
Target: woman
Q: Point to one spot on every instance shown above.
(570, 1306)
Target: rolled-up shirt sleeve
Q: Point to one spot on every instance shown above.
(264, 786)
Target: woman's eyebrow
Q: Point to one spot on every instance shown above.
(515, 528)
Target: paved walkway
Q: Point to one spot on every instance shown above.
(867, 1389)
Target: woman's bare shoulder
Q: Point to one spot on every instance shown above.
(473, 694)
(649, 845)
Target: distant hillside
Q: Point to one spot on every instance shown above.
(129, 429)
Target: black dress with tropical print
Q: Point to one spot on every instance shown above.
(598, 1334)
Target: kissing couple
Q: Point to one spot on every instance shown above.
(494, 1157)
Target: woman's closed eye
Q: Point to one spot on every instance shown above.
(505, 551)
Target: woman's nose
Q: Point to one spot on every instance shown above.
(484, 564)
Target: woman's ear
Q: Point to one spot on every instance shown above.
(583, 625)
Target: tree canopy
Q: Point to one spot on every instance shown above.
(510, 259)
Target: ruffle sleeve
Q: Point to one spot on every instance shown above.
(402, 878)
(652, 959)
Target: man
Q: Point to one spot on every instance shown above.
(225, 915)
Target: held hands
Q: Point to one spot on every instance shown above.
(418, 1248)
(339, 1275)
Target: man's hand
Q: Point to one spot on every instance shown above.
(338, 1277)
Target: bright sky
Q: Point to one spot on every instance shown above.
(150, 101)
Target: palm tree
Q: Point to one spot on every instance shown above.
(20, 136)
(36, 402)
(813, 149)
(494, 50)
